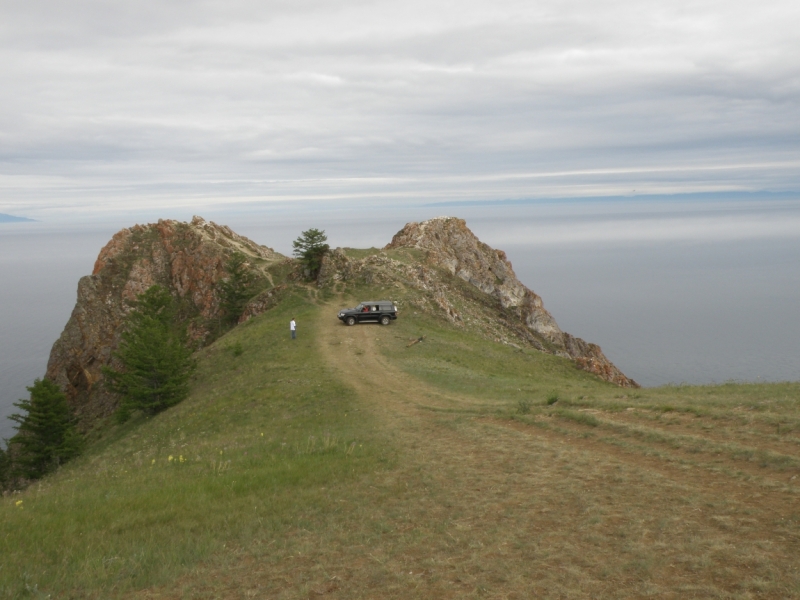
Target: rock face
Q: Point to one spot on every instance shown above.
(450, 244)
(506, 310)
(186, 258)
(436, 266)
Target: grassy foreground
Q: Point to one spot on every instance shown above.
(348, 464)
(250, 456)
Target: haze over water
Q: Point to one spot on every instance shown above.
(673, 290)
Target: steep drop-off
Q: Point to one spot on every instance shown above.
(448, 253)
(437, 266)
(186, 258)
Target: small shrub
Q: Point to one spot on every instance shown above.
(552, 398)
(524, 406)
(237, 349)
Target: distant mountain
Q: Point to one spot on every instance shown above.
(12, 219)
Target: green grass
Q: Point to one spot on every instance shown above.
(283, 483)
(463, 362)
(244, 458)
(359, 253)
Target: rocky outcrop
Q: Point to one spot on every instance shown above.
(436, 266)
(494, 301)
(450, 244)
(186, 258)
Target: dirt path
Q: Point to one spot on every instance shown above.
(352, 351)
(488, 507)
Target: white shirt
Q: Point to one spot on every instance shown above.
(292, 325)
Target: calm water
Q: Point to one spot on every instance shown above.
(671, 292)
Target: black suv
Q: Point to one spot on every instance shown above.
(374, 311)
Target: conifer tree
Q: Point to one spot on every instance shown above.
(310, 247)
(237, 288)
(5, 465)
(46, 435)
(156, 360)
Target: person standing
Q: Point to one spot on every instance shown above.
(293, 328)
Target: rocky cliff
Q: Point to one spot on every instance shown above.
(448, 253)
(186, 258)
(436, 266)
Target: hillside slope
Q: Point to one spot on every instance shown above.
(440, 265)
(348, 464)
(188, 259)
(437, 266)
(483, 461)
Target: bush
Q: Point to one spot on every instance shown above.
(46, 436)
(552, 398)
(156, 360)
(524, 407)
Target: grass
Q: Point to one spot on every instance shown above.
(244, 458)
(499, 375)
(348, 464)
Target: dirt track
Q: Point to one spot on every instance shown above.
(517, 511)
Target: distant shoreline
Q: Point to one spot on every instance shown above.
(4, 218)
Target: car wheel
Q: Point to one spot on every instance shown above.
(384, 320)
(351, 320)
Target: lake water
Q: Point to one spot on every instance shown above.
(695, 292)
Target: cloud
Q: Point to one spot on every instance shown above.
(146, 103)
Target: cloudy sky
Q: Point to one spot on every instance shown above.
(108, 106)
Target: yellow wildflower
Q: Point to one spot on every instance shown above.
(170, 458)
(153, 462)
(19, 503)
(182, 459)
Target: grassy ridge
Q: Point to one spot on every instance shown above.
(243, 459)
(750, 424)
(499, 375)
(465, 468)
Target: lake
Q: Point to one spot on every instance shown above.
(674, 291)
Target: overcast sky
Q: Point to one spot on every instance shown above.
(113, 106)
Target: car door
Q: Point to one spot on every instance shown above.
(360, 314)
(373, 314)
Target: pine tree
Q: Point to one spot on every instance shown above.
(5, 467)
(46, 435)
(237, 288)
(310, 247)
(156, 360)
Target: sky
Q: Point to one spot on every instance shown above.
(116, 108)
(639, 161)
